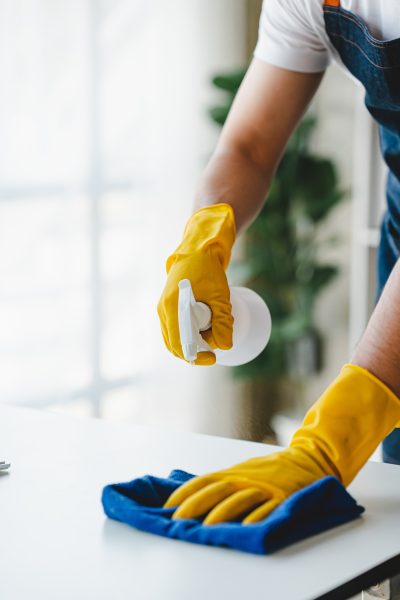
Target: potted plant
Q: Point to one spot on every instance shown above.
(281, 254)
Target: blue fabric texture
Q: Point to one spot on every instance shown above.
(391, 448)
(318, 507)
(376, 64)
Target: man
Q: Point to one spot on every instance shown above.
(296, 42)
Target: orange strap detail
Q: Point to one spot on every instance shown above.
(332, 3)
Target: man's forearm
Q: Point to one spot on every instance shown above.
(266, 109)
(379, 348)
(232, 176)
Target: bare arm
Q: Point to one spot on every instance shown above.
(265, 112)
(379, 348)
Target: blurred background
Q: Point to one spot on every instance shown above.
(109, 112)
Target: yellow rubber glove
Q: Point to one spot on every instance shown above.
(338, 435)
(202, 257)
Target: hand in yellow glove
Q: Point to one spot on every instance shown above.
(338, 435)
(202, 257)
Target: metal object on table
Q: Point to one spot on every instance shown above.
(3, 465)
(380, 590)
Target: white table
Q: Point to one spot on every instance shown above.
(56, 544)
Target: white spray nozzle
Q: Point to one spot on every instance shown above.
(251, 329)
(193, 317)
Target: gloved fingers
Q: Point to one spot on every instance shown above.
(222, 324)
(205, 359)
(262, 511)
(174, 337)
(166, 341)
(235, 505)
(209, 338)
(224, 342)
(164, 329)
(204, 500)
(167, 309)
(186, 490)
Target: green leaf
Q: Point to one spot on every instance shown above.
(293, 327)
(219, 114)
(323, 275)
(229, 82)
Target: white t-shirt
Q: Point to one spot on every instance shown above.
(292, 32)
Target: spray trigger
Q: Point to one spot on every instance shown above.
(193, 317)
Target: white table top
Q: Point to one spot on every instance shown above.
(56, 543)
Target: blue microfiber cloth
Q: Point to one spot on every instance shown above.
(320, 506)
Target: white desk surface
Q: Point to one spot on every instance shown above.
(56, 543)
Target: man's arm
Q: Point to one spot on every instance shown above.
(379, 348)
(267, 108)
(232, 190)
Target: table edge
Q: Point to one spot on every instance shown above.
(385, 570)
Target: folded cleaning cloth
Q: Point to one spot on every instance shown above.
(320, 506)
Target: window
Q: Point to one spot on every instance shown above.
(103, 134)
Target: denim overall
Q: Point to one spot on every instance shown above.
(376, 64)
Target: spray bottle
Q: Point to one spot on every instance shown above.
(251, 328)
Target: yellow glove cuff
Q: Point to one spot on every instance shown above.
(344, 427)
(212, 226)
(379, 382)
